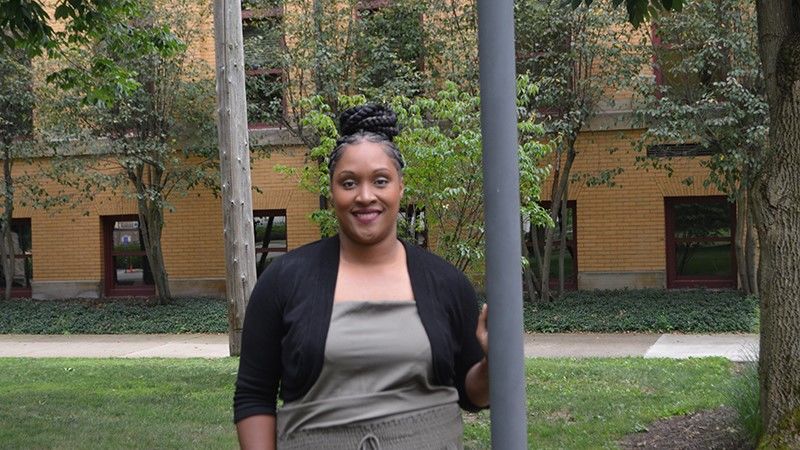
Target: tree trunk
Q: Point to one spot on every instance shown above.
(537, 256)
(741, 240)
(562, 246)
(6, 258)
(8, 215)
(559, 189)
(751, 249)
(151, 223)
(777, 207)
(234, 161)
(527, 273)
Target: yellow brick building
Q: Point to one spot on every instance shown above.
(631, 235)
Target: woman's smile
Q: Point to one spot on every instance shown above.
(367, 216)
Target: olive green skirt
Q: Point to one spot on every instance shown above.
(438, 428)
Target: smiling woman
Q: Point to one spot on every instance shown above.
(374, 342)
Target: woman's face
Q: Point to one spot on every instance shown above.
(366, 189)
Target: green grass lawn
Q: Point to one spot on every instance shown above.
(169, 403)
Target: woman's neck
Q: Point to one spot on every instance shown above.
(385, 252)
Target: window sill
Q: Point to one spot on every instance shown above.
(265, 135)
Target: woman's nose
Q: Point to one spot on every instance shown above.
(365, 193)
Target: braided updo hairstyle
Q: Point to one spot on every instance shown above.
(369, 122)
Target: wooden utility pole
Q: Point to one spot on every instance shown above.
(234, 156)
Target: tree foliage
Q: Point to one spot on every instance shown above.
(16, 125)
(710, 92)
(640, 10)
(580, 59)
(150, 139)
(28, 25)
(332, 48)
(776, 207)
(440, 140)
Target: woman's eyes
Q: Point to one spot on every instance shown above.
(380, 182)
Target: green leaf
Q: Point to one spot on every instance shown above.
(63, 11)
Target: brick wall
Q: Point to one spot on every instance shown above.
(67, 242)
(622, 228)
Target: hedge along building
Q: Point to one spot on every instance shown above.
(631, 235)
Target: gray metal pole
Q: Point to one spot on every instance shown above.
(502, 212)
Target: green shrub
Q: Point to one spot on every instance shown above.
(120, 316)
(645, 310)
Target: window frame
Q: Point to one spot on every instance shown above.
(675, 281)
(253, 16)
(262, 251)
(22, 291)
(658, 72)
(678, 150)
(110, 288)
(570, 283)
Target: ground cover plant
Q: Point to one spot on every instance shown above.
(643, 310)
(170, 403)
(119, 316)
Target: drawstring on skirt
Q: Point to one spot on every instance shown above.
(369, 442)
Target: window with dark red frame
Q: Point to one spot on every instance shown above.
(269, 228)
(126, 269)
(700, 234)
(567, 234)
(263, 39)
(22, 265)
(674, 73)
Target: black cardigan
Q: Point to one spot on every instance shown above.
(286, 324)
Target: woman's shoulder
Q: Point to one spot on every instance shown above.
(302, 260)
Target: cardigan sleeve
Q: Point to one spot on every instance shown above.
(260, 360)
(469, 349)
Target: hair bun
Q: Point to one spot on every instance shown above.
(369, 117)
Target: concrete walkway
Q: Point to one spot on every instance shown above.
(736, 347)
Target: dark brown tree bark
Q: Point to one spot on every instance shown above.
(742, 216)
(751, 249)
(7, 253)
(528, 275)
(151, 224)
(560, 182)
(562, 247)
(777, 211)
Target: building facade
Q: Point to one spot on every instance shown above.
(649, 230)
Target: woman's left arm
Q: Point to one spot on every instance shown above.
(477, 381)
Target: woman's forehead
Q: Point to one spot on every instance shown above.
(365, 154)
